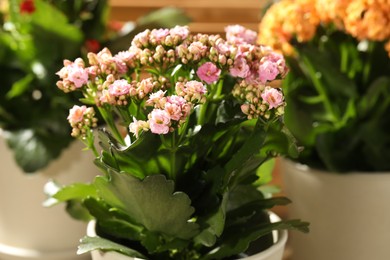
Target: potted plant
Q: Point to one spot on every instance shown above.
(189, 119)
(338, 95)
(35, 37)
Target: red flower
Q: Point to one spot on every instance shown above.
(27, 6)
(92, 45)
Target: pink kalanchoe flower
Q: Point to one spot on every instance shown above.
(197, 49)
(174, 107)
(157, 99)
(273, 97)
(145, 87)
(77, 75)
(106, 97)
(137, 126)
(119, 87)
(141, 39)
(192, 91)
(238, 34)
(159, 35)
(159, 121)
(208, 72)
(180, 31)
(268, 71)
(121, 66)
(240, 68)
(76, 114)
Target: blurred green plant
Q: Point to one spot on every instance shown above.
(35, 38)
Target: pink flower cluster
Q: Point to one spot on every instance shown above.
(238, 34)
(81, 119)
(259, 100)
(74, 75)
(166, 37)
(170, 111)
(172, 71)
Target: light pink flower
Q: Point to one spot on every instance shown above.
(240, 68)
(208, 72)
(76, 114)
(197, 49)
(127, 56)
(121, 66)
(195, 87)
(268, 71)
(177, 107)
(144, 87)
(78, 75)
(106, 97)
(192, 91)
(141, 39)
(173, 109)
(238, 34)
(181, 31)
(159, 121)
(119, 87)
(137, 126)
(157, 99)
(273, 97)
(159, 34)
(223, 48)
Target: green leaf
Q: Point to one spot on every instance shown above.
(34, 149)
(89, 244)
(73, 191)
(165, 18)
(112, 222)
(320, 66)
(264, 172)
(167, 212)
(20, 87)
(215, 223)
(251, 224)
(46, 15)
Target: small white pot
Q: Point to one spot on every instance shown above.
(275, 252)
(27, 229)
(349, 214)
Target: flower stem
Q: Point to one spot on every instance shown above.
(321, 89)
(108, 118)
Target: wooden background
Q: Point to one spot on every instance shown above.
(208, 16)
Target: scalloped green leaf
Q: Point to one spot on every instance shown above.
(89, 244)
(168, 212)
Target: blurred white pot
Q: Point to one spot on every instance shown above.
(275, 252)
(27, 229)
(349, 214)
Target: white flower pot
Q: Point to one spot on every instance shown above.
(349, 214)
(27, 229)
(275, 252)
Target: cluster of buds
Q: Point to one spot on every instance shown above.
(259, 100)
(74, 75)
(169, 112)
(104, 63)
(145, 76)
(166, 37)
(82, 119)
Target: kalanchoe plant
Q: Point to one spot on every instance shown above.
(338, 88)
(190, 122)
(35, 37)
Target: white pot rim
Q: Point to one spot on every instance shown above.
(279, 237)
(28, 253)
(305, 168)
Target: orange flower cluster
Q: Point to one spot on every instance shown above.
(289, 20)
